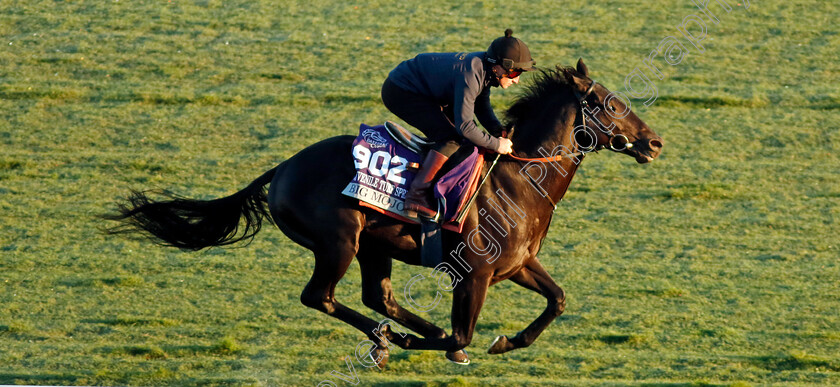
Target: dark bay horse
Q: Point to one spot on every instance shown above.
(503, 231)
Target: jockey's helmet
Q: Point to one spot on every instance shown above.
(508, 54)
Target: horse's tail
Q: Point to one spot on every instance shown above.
(195, 224)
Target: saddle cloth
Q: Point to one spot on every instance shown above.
(384, 173)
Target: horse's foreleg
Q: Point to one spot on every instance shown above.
(534, 277)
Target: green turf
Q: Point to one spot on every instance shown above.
(714, 265)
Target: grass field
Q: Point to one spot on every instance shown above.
(715, 265)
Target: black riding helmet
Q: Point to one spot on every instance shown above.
(507, 54)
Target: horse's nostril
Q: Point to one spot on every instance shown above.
(655, 144)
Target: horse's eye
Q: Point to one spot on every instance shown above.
(612, 108)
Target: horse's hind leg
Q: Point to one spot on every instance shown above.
(331, 262)
(378, 295)
(534, 277)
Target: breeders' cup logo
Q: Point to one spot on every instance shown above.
(374, 138)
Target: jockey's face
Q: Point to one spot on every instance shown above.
(505, 82)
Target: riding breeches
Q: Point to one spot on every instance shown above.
(425, 114)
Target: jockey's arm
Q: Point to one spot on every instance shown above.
(464, 112)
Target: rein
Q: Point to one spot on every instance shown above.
(583, 103)
(546, 159)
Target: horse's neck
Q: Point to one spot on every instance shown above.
(549, 135)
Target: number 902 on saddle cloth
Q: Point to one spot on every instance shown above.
(383, 177)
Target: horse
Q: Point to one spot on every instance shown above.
(558, 119)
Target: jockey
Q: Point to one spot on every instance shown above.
(441, 93)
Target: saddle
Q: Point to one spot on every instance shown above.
(408, 139)
(387, 157)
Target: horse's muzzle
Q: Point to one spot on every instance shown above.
(647, 149)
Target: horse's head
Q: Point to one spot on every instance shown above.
(608, 121)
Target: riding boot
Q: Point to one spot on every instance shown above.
(417, 198)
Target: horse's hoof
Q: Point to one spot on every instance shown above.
(500, 345)
(380, 356)
(458, 357)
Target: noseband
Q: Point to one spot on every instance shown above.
(610, 136)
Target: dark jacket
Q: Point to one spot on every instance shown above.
(454, 79)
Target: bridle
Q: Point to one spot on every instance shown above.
(610, 136)
(583, 103)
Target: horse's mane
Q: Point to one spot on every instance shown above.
(547, 83)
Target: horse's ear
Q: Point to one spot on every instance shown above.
(581, 68)
(580, 83)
